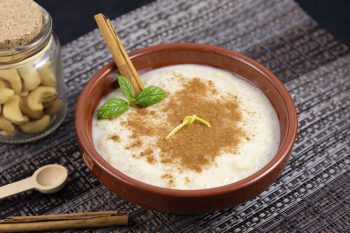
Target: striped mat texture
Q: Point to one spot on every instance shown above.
(311, 195)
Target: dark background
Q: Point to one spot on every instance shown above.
(75, 18)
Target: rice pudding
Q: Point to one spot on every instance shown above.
(244, 136)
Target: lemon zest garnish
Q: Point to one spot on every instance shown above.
(177, 128)
(203, 121)
(187, 121)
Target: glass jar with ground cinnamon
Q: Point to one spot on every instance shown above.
(32, 90)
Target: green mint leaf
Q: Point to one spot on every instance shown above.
(149, 96)
(114, 107)
(126, 87)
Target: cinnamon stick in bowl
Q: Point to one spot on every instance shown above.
(120, 57)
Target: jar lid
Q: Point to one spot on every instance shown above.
(20, 22)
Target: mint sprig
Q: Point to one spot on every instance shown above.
(149, 96)
(115, 107)
(126, 87)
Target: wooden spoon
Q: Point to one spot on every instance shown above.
(47, 179)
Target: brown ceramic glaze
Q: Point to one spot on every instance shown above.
(187, 201)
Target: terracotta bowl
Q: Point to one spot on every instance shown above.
(187, 201)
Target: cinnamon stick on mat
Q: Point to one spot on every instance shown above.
(115, 46)
(62, 221)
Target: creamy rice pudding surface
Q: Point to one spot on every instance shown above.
(244, 136)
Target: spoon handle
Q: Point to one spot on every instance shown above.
(16, 187)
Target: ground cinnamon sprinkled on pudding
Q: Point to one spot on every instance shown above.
(114, 138)
(167, 176)
(139, 125)
(169, 179)
(151, 159)
(135, 144)
(212, 88)
(195, 146)
(148, 154)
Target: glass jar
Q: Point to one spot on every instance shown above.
(32, 91)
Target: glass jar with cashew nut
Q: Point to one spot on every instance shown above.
(32, 90)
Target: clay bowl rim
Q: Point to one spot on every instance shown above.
(283, 152)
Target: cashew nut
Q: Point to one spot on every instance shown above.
(6, 127)
(12, 112)
(46, 74)
(56, 107)
(27, 111)
(30, 76)
(4, 84)
(13, 78)
(5, 93)
(41, 94)
(24, 93)
(36, 126)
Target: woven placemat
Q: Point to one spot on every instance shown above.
(311, 195)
